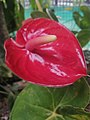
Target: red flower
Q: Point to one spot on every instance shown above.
(26, 21)
(57, 63)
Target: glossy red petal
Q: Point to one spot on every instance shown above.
(21, 33)
(26, 21)
(59, 63)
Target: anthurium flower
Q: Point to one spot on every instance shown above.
(26, 21)
(45, 53)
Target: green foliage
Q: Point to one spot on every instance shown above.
(43, 3)
(51, 14)
(46, 4)
(43, 103)
(47, 14)
(14, 14)
(38, 14)
(4, 71)
(84, 36)
(19, 15)
(34, 5)
(9, 14)
(83, 21)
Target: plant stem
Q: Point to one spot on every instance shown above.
(39, 6)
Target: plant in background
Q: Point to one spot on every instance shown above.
(11, 17)
(83, 21)
(44, 11)
(4, 34)
(14, 14)
(43, 3)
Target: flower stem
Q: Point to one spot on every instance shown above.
(39, 6)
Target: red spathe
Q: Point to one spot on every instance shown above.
(54, 64)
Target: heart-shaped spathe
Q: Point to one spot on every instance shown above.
(58, 63)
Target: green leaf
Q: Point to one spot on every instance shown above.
(77, 117)
(77, 17)
(47, 14)
(86, 12)
(34, 5)
(38, 14)
(51, 14)
(14, 14)
(9, 12)
(70, 110)
(75, 32)
(19, 14)
(42, 103)
(83, 21)
(84, 36)
(72, 113)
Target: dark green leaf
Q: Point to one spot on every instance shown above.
(38, 14)
(11, 99)
(9, 12)
(19, 14)
(83, 21)
(77, 117)
(75, 32)
(77, 17)
(84, 36)
(73, 113)
(70, 110)
(14, 14)
(51, 14)
(86, 12)
(41, 103)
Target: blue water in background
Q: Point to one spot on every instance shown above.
(65, 17)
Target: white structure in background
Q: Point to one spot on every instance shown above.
(62, 2)
(68, 2)
(26, 4)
